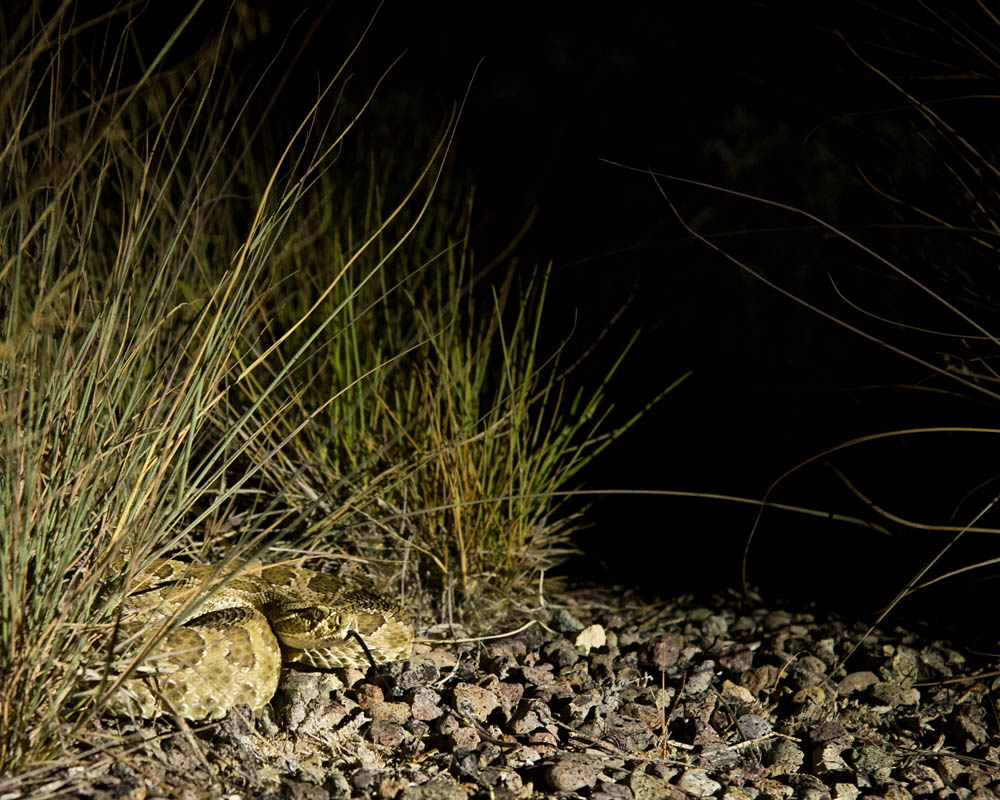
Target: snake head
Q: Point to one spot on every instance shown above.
(305, 627)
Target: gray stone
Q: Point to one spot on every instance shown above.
(696, 782)
(437, 789)
(572, 772)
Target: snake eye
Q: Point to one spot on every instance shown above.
(311, 613)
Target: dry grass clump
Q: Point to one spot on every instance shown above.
(218, 339)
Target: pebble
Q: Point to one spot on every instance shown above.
(734, 693)
(894, 695)
(785, 757)
(474, 701)
(390, 712)
(666, 651)
(716, 625)
(731, 678)
(569, 773)
(753, 726)
(387, 734)
(591, 638)
(566, 623)
(856, 682)
(463, 739)
(649, 787)
(611, 791)
(697, 783)
(425, 704)
(777, 619)
(435, 789)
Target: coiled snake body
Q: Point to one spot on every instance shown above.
(230, 649)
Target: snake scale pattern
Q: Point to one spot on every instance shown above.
(230, 648)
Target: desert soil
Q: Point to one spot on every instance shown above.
(605, 696)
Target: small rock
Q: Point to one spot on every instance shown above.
(336, 784)
(611, 791)
(696, 782)
(499, 661)
(715, 626)
(561, 654)
(902, 667)
(733, 693)
(826, 651)
(566, 623)
(753, 726)
(646, 713)
(367, 694)
(510, 695)
(784, 757)
(773, 789)
(537, 676)
(717, 756)
(578, 708)
(628, 735)
(813, 700)
(391, 785)
(950, 769)
(777, 619)
(601, 668)
(894, 695)
(570, 773)
(427, 667)
(544, 741)
(810, 695)
(702, 733)
(387, 734)
(666, 651)
(811, 664)
(701, 678)
(828, 731)
(648, 787)
(591, 638)
(894, 791)
(435, 789)
(448, 724)
(363, 780)
(301, 695)
(737, 658)
(874, 761)
(743, 624)
(389, 712)
(409, 679)
(759, 678)
(922, 779)
(525, 721)
(474, 700)
(856, 682)
(298, 790)
(556, 690)
(463, 740)
(827, 757)
(521, 757)
(425, 704)
(967, 722)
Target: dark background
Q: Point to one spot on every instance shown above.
(767, 99)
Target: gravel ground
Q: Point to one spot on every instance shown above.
(608, 698)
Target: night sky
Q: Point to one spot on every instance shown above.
(759, 99)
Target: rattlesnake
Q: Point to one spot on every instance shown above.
(230, 648)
